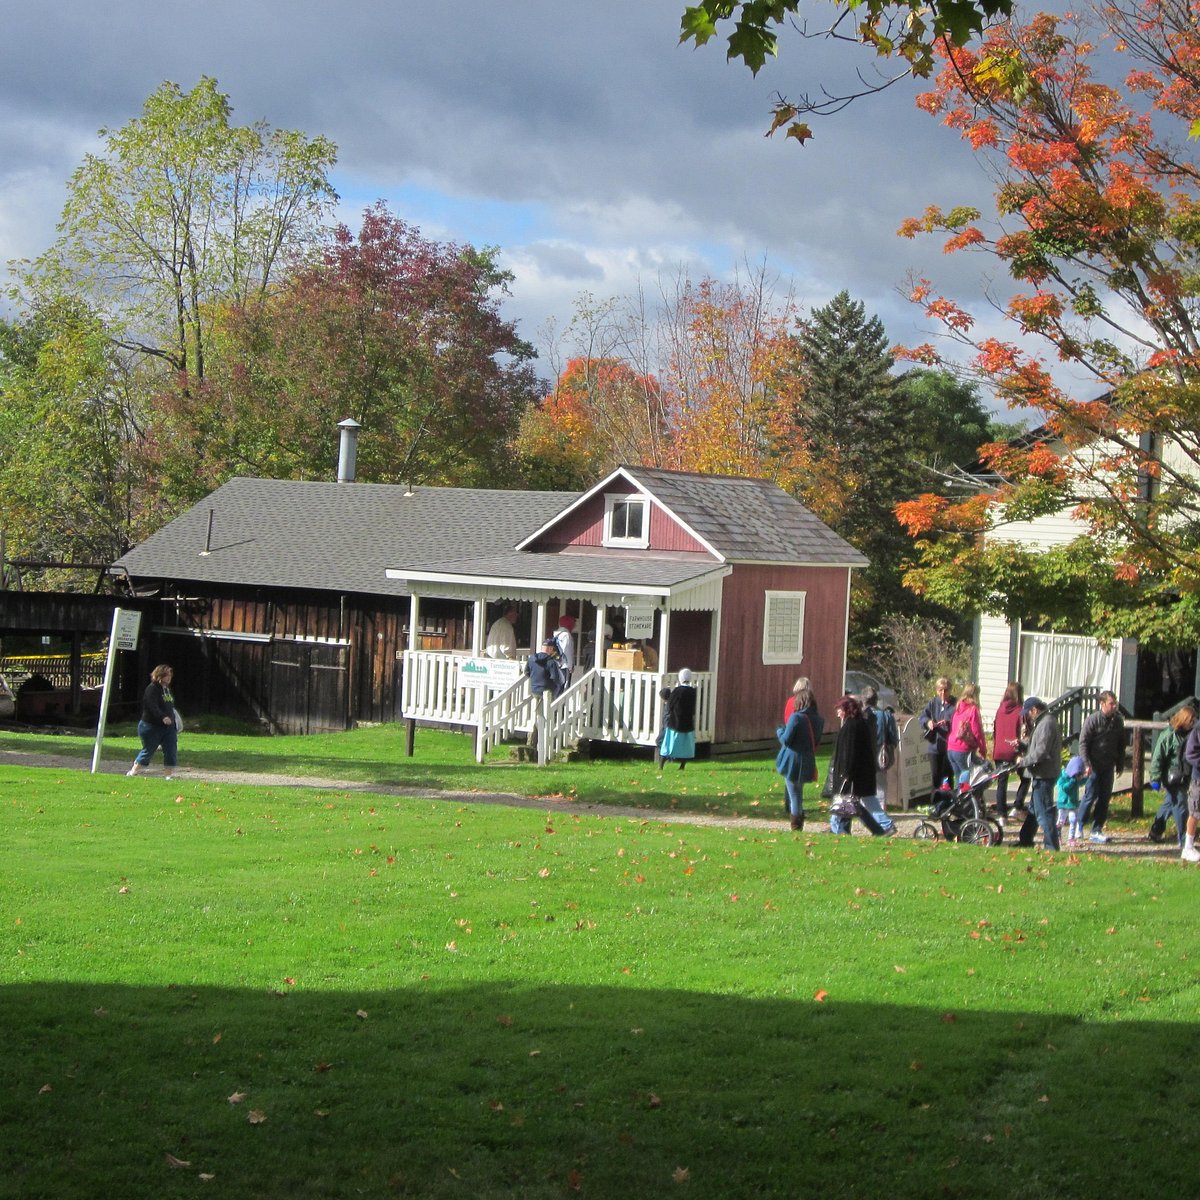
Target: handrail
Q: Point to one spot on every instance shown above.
(508, 711)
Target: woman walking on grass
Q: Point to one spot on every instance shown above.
(157, 726)
(853, 766)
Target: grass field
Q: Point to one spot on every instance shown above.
(230, 990)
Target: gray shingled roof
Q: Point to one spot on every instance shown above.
(747, 520)
(344, 537)
(335, 536)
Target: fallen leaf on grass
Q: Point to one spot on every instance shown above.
(257, 1116)
(505, 1020)
(176, 1163)
(361, 1014)
(206, 1177)
(680, 1175)
(236, 1097)
(820, 995)
(655, 1101)
(899, 969)
(44, 1089)
(321, 1067)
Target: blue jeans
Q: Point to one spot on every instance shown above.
(874, 806)
(153, 736)
(960, 761)
(1174, 804)
(1096, 795)
(795, 795)
(1046, 812)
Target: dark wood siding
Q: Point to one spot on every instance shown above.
(750, 694)
(344, 649)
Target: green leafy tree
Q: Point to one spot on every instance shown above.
(72, 485)
(180, 211)
(399, 332)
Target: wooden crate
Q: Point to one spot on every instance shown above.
(625, 660)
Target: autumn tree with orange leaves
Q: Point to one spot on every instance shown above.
(1098, 225)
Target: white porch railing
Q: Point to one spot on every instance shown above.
(606, 705)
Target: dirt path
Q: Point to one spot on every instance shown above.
(1125, 844)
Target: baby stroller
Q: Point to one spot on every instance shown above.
(961, 810)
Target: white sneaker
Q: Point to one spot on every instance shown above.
(134, 770)
(1190, 854)
(168, 777)
(1099, 838)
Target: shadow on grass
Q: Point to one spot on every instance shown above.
(549, 1092)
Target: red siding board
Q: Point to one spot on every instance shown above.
(585, 527)
(751, 695)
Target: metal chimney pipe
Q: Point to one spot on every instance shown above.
(348, 450)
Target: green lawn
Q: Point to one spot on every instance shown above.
(228, 990)
(446, 762)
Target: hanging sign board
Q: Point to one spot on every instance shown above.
(639, 621)
(124, 636)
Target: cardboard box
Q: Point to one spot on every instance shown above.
(625, 660)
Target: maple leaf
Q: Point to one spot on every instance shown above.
(206, 1177)
(680, 1174)
(257, 1116)
(176, 1163)
(361, 1014)
(236, 1097)
(820, 995)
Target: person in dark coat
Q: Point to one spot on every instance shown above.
(935, 726)
(545, 676)
(1102, 748)
(854, 759)
(157, 725)
(679, 736)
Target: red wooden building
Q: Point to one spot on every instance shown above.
(730, 577)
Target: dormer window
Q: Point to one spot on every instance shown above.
(627, 521)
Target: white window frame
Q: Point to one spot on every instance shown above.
(786, 644)
(610, 503)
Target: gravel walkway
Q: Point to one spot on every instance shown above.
(1125, 844)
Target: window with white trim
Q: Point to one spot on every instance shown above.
(783, 627)
(627, 521)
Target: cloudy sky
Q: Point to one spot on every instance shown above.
(577, 136)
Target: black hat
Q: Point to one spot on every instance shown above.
(1031, 703)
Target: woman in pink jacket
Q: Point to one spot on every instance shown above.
(966, 738)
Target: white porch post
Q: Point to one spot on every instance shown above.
(714, 659)
(664, 639)
(477, 631)
(601, 617)
(539, 627)
(414, 616)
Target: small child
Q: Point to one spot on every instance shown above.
(1066, 798)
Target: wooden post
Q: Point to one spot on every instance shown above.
(1139, 770)
(410, 736)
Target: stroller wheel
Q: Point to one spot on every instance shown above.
(977, 833)
(997, 831)
(926, 831)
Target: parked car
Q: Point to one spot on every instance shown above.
(858, 681)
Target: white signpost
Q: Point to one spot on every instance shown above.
(126, 625)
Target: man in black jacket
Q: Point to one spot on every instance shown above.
(1102, 748)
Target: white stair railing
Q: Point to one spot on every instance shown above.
(510, 711)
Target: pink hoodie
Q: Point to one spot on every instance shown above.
(966, 717)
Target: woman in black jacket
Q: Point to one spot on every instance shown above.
(157, 725)
(679, 720)
(853, 765)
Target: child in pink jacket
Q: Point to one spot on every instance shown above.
(966, 741)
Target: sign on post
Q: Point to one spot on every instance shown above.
(126, 625)
(497, 673)
(639, 621)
